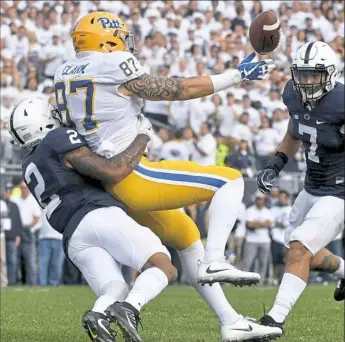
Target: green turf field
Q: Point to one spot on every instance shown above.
(177, 315)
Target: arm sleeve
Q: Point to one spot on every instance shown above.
(121, 67)
(64, 139)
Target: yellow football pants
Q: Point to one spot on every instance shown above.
(155, 191)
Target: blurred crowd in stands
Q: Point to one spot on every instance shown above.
(240, 127)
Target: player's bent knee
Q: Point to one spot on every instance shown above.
(163, 262)
(116, 288)
(298, 253)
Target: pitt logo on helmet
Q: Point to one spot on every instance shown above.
(102, 32)
(107, 23)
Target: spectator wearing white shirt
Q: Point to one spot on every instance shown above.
(51, 255)
(7, 105)
(242, 131)
(199, 110)
(64, 28)
(53, 55)
(4, 28)
(257, 241)
(174, 149)
(246, 107)
(228, 116)
(279, 122)
(32, 58)
(157, 142)
(26, 22)
(30, 214)
(266, 141)
(178, 114)
(205, 146)
(12, 16)
(31, 90)
(11, 39)
(280, 213)
(45, 33)
(21, 48)
(274, 101)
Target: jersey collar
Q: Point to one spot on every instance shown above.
(86, 54)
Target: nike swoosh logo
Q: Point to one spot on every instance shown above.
(208, 271)
(319, 122)
(250, 328)
(100, 323)
(91, 333)
(249, 71)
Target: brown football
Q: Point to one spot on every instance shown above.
(265, 32)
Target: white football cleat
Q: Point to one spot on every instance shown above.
(223, 271)
(245, 330)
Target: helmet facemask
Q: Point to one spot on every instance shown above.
(126, 38)
(312, 83)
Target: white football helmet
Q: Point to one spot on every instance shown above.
(31, 121)
(314, 71)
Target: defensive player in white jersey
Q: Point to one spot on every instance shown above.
(101, 92)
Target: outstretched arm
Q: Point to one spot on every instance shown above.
(168, 89)
(179, 89)
(112, 170)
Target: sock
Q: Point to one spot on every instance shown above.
(289, 291)
(340, 272)
(213, 295)
(147, 286)
(223, 211)
(102, 303)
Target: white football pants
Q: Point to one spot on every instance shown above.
(106, 238)
(315, 221)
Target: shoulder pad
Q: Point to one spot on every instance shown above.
(63, 140)
(288, 92)
(121, 67)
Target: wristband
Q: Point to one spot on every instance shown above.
(283, 156)
(278, 162)
(226, 79)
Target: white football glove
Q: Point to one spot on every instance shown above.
(145, 126)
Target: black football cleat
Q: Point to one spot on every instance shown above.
(97, 327)
(268, 321)
(339, 293)
(127, 318)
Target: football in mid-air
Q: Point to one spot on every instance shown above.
(265, 32)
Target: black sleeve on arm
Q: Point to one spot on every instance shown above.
(277, 162)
